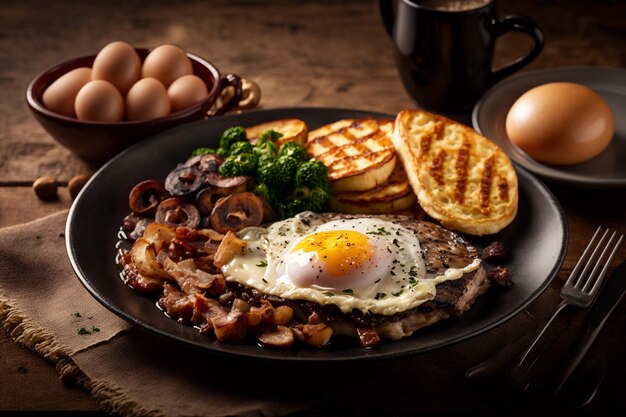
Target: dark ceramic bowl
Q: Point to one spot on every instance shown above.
(99, 141)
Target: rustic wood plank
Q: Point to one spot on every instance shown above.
(301, 54)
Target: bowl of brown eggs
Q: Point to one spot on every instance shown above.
(100, 104)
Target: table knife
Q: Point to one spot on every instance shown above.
(607, 300)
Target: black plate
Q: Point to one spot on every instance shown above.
(606, 170)
(537, 240)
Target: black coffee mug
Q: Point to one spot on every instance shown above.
(444, 49)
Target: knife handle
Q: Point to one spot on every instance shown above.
(578, 354)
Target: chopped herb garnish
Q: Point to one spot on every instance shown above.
(328, 293)
(380, 295)
(264, 280)
(95, 329)
(261, 264)
(348, 291)
(82, 330)
(77, 314)
(381, 231)
(397, 294)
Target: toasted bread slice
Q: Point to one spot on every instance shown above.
(461, 178)
(293, 130)
(395, 194)
(359, 154)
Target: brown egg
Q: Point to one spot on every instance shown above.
(560, 123)
(166, 63)
(186, 91)
(60, 95)
(99, 101)
(147, 99)
(118, 63)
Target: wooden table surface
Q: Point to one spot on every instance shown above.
(305, 53)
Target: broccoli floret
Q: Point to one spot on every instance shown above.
(223, 152)
(202, 151)
(279, 174)
(271, 135)
(288, 167)
(266, 147)
(312, 174)
(293, 207)
(293, 150)
(265, 159)
(242, 164)
(316, 198)
(232, 135)
(264, 191)
(241, 147)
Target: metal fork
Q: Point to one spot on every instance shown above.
(580, 290)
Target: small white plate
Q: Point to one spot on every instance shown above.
(607, 170)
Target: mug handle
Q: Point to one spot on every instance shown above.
(229, 80)
(520, 24)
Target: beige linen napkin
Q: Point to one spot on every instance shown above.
(132, 372)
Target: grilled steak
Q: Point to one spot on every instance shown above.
(442, 249)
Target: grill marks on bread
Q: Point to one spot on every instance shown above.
(460, 177)
(351, 147)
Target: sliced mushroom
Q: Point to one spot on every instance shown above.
(269, 213)
(177, 212)
(184, 180)
(316, 335)
(280, 337)
(236, 211)
(206, 199)
(205, 163)
(210, 163)
(146, 196)
(236, 184)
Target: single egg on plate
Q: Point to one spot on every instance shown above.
(60, 95)
(186, 91)
(368, 264)
(560, 123)
(147, 99)
(166, 63)
(119, 64)
(99, 101)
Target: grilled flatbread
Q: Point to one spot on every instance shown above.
(359, 154)
(393, 195)
(461, 178)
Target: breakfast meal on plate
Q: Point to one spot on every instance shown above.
(560, 123)
(320, 237)
(119, 87)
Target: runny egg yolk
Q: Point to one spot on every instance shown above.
(341, 250)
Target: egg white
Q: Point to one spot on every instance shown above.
(399, 285)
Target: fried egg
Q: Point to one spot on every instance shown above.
(369, 264)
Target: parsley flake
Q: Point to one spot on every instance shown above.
(381, 231)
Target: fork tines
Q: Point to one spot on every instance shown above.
(608, 248)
